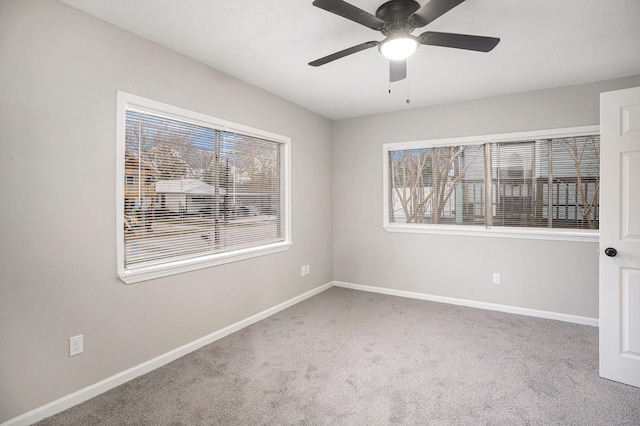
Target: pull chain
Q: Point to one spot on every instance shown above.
(407, 85)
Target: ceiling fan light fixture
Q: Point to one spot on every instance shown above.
(399, 47)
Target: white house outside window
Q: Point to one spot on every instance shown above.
(537, 184)
(195, 191)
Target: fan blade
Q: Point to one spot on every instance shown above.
(343, 53)
(346, 10)
(397, 70)
(431, 11)
(459, 41)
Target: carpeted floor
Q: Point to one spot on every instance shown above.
(346, 357)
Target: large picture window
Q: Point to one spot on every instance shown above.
(543, 184)
(195, 191)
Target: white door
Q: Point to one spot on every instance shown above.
(620, 230)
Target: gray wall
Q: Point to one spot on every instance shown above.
(545, 275)
(59, 72)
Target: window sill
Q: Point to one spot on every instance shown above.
(131, 276)
(497, 232)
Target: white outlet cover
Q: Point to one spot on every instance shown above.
(76, 345)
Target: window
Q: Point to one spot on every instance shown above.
(538, 184)
(195, 191)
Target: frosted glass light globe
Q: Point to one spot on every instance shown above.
(398, 48)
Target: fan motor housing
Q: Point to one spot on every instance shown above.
(397, 10)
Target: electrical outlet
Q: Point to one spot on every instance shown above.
(496, 278)
(75, 345)
(305, 270)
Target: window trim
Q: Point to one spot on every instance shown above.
(129, 276)
(557, 234)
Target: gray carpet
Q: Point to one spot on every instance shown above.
(346, 357)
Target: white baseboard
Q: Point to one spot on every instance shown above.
(148, 366)
(474, 304)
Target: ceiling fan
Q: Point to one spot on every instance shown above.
(396, 20)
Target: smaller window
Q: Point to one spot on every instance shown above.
(195, 191)
(541, 184)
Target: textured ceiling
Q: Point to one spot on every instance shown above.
(544, 43)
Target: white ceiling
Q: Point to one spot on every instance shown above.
(544, 43)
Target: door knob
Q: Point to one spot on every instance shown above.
(610, 251)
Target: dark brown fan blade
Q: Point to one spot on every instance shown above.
(459, 41)
(431, 11)
(343, 53)
(397, 70)
(346, 10)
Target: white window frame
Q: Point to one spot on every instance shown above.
(127, 101)
(483, 231)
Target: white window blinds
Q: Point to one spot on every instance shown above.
(553, 183)
(541, 183)
(194, 191)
